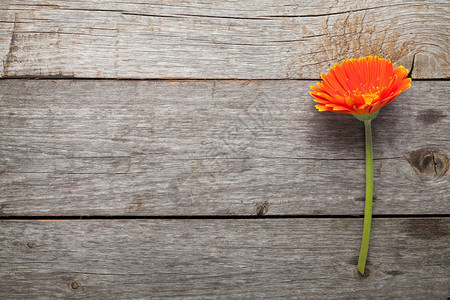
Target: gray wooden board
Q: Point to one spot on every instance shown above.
(213, 148)
(257, 39)
(232, 259)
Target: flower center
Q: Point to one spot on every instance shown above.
(369, 92)
(370, 97)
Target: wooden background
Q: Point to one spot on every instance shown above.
(170, 149)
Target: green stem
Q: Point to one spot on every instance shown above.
(369, 195)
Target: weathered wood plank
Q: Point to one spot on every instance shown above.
(256, 39)
(232, 259)
(213, 148)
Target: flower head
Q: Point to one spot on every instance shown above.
(360, 86)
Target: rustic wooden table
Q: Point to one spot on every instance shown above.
(170, 149)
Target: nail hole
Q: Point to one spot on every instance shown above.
(75, 285)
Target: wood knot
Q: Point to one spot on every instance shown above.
(429, 163)
(261, 208)
(31, 245)
(76, 286)
(368, 273)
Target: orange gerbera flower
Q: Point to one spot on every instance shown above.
(360, 87)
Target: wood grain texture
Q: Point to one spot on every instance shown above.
(253, 39)
(223, 259)
(90, 147)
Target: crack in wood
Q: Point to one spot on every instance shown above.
(7, 61)
(412, 66)
(150, 15)
(227, 17)
(333, 13)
